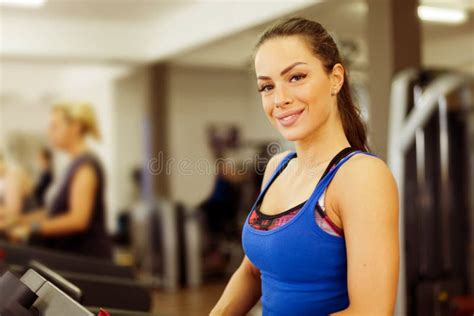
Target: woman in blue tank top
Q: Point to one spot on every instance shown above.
(322, 236)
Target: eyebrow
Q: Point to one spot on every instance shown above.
(284, 71)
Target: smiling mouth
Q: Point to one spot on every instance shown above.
(290, 119)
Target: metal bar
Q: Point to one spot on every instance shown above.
(170, 244)
(444, 184)
(420, 148)
(398, 108)
(428, 104)
(193, 247)
(467, 101)
(401, 137)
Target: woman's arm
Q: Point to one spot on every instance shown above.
(81, 201)
(34, 216)
(76, 219)
(367, 200)
(241, 293)
(9, 224)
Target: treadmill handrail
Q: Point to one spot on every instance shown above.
(70, 289)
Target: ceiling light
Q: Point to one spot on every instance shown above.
(23, 3)
(442, 15)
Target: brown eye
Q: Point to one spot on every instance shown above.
(264, 88)
(299, 76)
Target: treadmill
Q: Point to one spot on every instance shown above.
(102, 283)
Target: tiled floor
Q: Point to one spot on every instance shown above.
(191, 302)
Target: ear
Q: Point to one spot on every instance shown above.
(337, 77)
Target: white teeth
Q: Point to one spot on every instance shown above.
(288, 117)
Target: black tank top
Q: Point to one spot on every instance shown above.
(94, 241)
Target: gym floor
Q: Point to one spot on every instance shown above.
(192, 302)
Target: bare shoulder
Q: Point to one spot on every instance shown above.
(365, 179)
(85, 174)
(273, 164)
(366, 166)
(367, 200)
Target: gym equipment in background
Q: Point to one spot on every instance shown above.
(166, 242)
(34, 295)
(102, 283)
(431, 154)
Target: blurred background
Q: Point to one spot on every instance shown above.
(184, 139)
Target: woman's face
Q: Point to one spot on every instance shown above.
(61, 132)
(295, 89)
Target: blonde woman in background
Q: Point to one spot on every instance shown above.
(74, 221)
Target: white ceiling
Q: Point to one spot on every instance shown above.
(150, 10)
(108, 10)
(347, 20)
(125, 31)
(219, 33)
(235, 51)
(123, 10)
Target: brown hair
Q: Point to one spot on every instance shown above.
(324, 47)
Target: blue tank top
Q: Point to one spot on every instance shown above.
(303, 268)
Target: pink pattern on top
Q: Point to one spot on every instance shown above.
(264, 223)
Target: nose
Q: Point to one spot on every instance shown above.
(281, 96)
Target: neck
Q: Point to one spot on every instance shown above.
(317, 150)
(77, 148)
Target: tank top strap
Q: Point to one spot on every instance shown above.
(324, 182)
(275, 174)
(281, 166)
